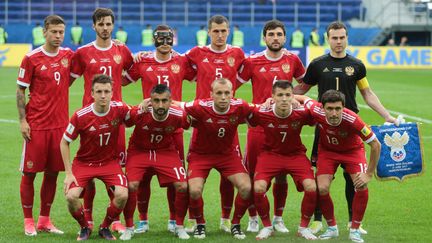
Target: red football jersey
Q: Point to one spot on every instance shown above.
(98, 132)
(211, 64)
(90, 60)
(152, 71)
(343, 138)
(150, 134)
(47, 77)
(263, 71)
(282, 135)
(215, 132)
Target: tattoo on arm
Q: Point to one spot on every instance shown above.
(21, 102)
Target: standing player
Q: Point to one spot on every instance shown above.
(152, 151)
(340, 71)
(160, 67)
(45, 71)
(217, 60)
(217, 119)
(283, 153)
(263, 69)
(102, 56)
(341, 135)
(98, 125)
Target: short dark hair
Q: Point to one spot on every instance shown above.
(160, 89)
(282, 84)
(101, 79)
(54, 20)
(218, 19)
(273, 24)
(336, 25)
(162, 27)
(100, 13)
(331, 96)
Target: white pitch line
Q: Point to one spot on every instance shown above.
(403, 114)
(8, 121)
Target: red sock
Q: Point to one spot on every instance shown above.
(47, 193)
(89, 195)
(27, 194)
(241, 205)
(327, 209)
(252, 210)
(129, 209)
(112, 214)
(262, 205)
(307, 207)
(197, 207)
(280, 193)
(359, 207)
(181, 206)
(227, 196)
(171, 196)
(79, 217)
(143, 197)
(111, 197)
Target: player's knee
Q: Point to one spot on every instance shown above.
(72, 197)
(195, 192)
(181, 186)
(309, 185)
(121, 194)
(133, 186)
(244, 189)
(260, 187)
(323, 189)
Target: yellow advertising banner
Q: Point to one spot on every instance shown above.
(11, 55)
(383, 57)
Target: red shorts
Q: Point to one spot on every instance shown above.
(271, 165)
(178, 143)
(254, 146)
(42, 152)
(165, 164)
(227, 164)
(328, 161)
(109, 172)
(121, 145)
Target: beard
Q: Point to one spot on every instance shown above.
(275, 49)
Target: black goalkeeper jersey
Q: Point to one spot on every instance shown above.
(336, 73)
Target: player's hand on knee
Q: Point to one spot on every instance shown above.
(361, 180)
(69, 179)
(25, 130)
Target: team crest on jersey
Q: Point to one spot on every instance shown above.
(295, 125)
(115, 122)
(117, 58)
(169, 129)
(175, 68)
(233, 119)
(286, 68)
(29, 164)
(65, 62)
(231, 61)
(396, 143)
(343, 134)
(349, 70)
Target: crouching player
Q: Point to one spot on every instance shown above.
(98, 127)
(341, 135)
(152, 151)
(284, 153)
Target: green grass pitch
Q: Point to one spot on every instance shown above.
(397, 212)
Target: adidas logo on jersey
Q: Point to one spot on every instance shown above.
(270, 125)
(209, 120)
(43, 68)
(326, 70)
(92, 128)
(263, 70)
(205, 60)
(92, 60)
(149, 69)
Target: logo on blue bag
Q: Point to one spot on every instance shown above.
(396, 143)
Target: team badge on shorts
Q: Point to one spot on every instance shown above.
(117, 58)
(349, 70)
(29, 164)
(231, 61)
(175, 68)
(169, 129)
(115, 122)
(65, 62)
(286, 68)
(233, 119)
